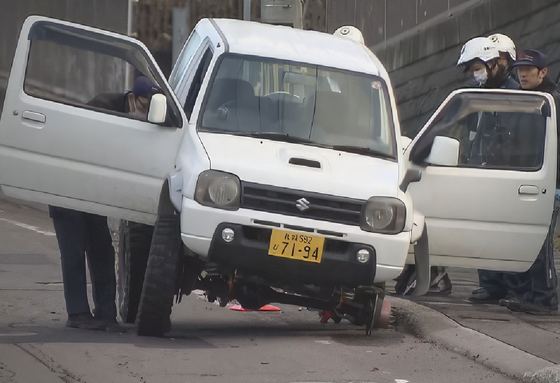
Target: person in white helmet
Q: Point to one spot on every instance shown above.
(480, 58)
(507, 49)
(488, 60)
(508, 53)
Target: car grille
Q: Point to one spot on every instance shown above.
(285, 201)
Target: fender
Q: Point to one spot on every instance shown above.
(422, 259)
(417, 226)
(175, 182)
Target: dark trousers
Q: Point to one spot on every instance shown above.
(494, 282)
(539, 284)
(79, 235)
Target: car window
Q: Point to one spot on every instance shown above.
(70, 66)
(506, 134)
(197, 82)
(323, 106)
(185, 57)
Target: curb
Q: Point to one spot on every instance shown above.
(546, 375)
(435, 327)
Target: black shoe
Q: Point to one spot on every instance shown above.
(517, 305)
(84, 321)
(110, 325)
(440, 285)
(505, 301)
(482, 295)
(114, 326)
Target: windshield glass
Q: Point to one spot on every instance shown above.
(301, 103)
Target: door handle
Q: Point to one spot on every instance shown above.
(528, 190)
(34, 116)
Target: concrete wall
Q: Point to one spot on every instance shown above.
(422, 61)
(106, 14)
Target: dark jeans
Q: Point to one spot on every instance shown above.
(80, 234)
(539, 284)
(494, 282)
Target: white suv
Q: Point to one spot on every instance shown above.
(272, 167)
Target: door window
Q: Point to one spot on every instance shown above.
(496, 133)
(182, 64)
(88, 70)
(194, 89)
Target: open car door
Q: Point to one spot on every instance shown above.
(488, 162)
(67, 137)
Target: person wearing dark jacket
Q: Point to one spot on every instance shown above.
(487, 61)
(84, 236)
(535, 291)
(493, 57)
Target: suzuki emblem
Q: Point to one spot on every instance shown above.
(302, 204)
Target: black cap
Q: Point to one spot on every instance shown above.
(144, 87)
(530, 57)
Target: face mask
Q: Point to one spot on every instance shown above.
(480, 76)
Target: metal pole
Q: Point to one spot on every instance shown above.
(181, 29)
(127, 72)
(129, 21)
(247, 10)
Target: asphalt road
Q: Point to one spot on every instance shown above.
(207, 344)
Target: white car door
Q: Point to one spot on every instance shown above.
(65, 136)
(488, 161)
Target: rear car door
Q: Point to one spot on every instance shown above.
(65, 137)
(488, 161)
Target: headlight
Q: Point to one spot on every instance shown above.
(218, 189)
(383, 215)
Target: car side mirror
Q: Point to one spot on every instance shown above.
(411, 175)
(158, 109)
(444, 152)
(404, 141)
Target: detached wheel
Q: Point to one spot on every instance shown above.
(161, 273)
(132, 254)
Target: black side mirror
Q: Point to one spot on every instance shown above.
(412, 175)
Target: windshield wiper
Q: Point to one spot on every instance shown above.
(276, 136)
(362, 150)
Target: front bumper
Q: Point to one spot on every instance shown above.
(199, 224)
(248, 253)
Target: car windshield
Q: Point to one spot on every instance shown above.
(301, 103)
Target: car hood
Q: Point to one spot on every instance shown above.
(268, 162)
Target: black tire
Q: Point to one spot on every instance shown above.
(154, 311)
(132, 254)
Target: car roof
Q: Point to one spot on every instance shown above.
(286, 43)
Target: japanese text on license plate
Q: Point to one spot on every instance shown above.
(298, 246)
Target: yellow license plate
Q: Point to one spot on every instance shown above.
(294, 245)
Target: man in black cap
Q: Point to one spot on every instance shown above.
(84, 236)
(532, 71)
(135, 102)
(535, 291)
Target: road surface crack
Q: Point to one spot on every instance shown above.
(65, 375)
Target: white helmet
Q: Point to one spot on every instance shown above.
(504, 44)
(478, 48)
(351, 33)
